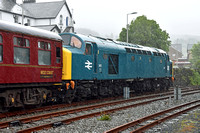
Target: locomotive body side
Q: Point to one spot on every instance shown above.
(99, 65)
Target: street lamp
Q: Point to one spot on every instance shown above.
(22, 12)
(127, 25)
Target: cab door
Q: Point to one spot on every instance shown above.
(95, 57)
(89, 60)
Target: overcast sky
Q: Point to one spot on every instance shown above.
(110, 16)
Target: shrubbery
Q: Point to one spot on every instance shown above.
(186, 77)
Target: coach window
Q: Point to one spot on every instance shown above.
(58, 55)
(88, 49)
(1, 48)
(21, 50)
(44, 53)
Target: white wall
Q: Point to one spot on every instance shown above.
(0, 15)
(64, 12)
(34, 22)
(10, 18)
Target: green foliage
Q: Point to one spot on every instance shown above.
(147, 33)
(104, 117)
(196, 56)
(195, 78)
(183, 76)
(186, 77)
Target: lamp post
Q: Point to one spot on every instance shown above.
(128, 26)
(22, 13)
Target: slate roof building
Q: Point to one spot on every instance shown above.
(189, 52)
(174, 54)
(52, 16)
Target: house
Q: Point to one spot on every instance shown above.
(177, 47)
(51, 16)
(189, 52)
(174, 54)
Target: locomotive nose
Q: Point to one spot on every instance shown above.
(67, 64)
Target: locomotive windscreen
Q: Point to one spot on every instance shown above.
(71, 40)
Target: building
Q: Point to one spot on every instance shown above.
(51, 16)
(177, 47)
(189, 52)
(182, 63)
(174, 54)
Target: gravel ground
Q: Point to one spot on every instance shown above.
(94, 125)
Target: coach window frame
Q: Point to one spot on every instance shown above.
(1, 48)
(21, 48)
(58, 55)
(44, 52)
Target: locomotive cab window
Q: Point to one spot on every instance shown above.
(71, 41)
(44, 53)
(75, 42)
(1, 48)
(21, 50)
(58, 55)
(88, 49)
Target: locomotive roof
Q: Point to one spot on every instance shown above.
(7, 26)
(103, 42)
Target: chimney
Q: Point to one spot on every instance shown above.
(29, 1)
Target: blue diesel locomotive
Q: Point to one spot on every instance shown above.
(102, 67)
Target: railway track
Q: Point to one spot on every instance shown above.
(67, 121)
(59, 106)
(53, 107)
(161, 114)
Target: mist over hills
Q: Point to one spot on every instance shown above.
(184, 40)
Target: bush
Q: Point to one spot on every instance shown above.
(104, 117)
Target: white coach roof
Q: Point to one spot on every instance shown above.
(7, 26)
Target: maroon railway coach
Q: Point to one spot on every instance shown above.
(30, 64)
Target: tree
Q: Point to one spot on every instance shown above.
(195, 51)
(147, 33)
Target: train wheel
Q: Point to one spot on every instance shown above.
(2, 109)
(70, 95)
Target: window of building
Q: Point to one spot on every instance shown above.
(88, 49)
(44, 53)
(21, 50)
(16, 19)
(113, 63)
(28, 22)
(1, 48)
(58, 55)
(61, 20)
